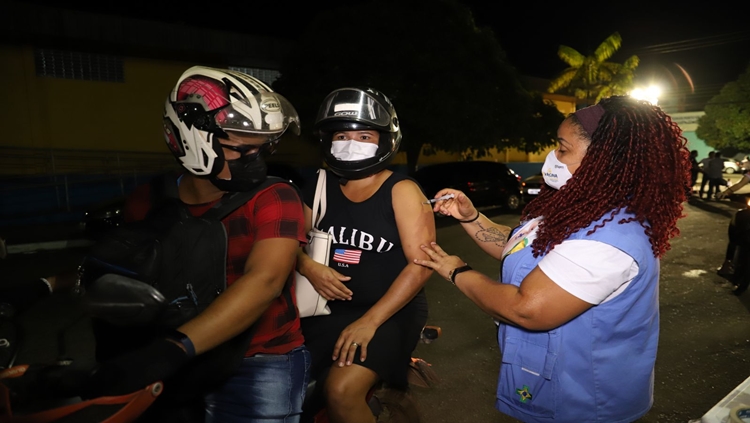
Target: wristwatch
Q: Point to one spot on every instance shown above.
(181, 340)
(453, 273)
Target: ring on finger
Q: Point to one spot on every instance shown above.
(354, 344)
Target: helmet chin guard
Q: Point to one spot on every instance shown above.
(353, 109)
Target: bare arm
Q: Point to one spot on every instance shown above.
(266, 272)
(488, 235)
(416, 226)
(326, 280)
(537, 304)
(734, 188)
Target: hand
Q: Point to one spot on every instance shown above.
(460, 207)
(722, 194)
(136, 369)
(440, 261)
(355, 336)
(328, 282)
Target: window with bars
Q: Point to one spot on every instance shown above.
(266, 75)
(77, 65)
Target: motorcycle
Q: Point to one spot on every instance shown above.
(41, 393)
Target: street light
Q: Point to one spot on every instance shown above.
(650, 94)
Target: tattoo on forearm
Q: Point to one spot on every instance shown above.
(493, 235)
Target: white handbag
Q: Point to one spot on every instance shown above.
(309, 302)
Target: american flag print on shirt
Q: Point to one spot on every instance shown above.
(347, 256)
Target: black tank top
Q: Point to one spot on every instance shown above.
(366, 242)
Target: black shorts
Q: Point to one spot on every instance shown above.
(389, 351)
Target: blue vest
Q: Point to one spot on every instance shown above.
(598, 367)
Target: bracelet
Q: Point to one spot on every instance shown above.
(182, 339)
(470, 220)
(49, 285)
(453, 273)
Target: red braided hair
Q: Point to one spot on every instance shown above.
(637, 161)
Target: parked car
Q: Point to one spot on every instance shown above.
(531, 187)
(730, 166)
(108, 214)
(485, 183)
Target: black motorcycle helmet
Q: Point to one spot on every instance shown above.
(354, 109)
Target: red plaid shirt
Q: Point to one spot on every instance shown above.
(275, 212)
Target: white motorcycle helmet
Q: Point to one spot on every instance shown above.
(352, 109)
(207, 102)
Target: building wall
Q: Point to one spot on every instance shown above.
(58, 113)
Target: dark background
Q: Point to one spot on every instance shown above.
(688, 48)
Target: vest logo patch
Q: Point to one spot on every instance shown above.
(524, 394)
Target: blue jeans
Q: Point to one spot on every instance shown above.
(267, 388)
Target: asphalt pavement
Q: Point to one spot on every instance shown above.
(704, 348)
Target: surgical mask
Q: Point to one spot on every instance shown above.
(555, 173)
(350, 150)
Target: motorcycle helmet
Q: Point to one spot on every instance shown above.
(353, 109)
(207, 102)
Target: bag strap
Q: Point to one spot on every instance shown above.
(319, 202)
(234, 200)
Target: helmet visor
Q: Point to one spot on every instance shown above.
(355, 105)
(265, 113)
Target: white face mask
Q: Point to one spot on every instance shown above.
(351, 150)
(555, 173)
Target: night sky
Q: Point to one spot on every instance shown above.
(707, 44)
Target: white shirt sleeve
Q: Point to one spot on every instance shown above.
(590, 270)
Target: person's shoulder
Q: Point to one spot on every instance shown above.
(406, 187)
(279, 191)
(400, 179)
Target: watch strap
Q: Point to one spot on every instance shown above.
(453, 273)
(182, 339)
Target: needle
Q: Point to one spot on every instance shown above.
(434, 200)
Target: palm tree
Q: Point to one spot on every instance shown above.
(592, 78)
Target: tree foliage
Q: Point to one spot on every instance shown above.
(726, 124)
(448, 79)
(593, 77)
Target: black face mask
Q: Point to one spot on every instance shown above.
(246, 173)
